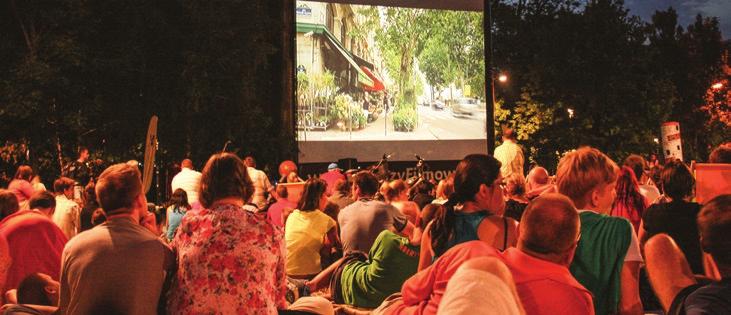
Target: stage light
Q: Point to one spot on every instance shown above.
(717, 86)
(571, 112)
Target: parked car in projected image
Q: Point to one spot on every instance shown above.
(437, 105)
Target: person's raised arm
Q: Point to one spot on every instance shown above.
(425, 251)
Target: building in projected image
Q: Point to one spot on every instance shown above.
(335, 68)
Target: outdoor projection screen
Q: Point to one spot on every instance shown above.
(404, 79)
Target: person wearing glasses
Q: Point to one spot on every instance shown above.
(474, 211)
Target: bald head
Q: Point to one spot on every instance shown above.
(550, 226)
(538, 176)
(187, 163)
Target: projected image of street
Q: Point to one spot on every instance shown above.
(384, 73)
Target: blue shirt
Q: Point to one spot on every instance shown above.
(173, 221)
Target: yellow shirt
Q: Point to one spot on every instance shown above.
(304, 234)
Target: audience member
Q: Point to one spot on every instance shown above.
(362, 221)
(721, 154)
(509, 154)
(176, 209)
(422, 193)
(671, 276)
(366, 282)
(37, 184)
(8, 203)
(629, 203)
(260, 182)
(308, 231)
(423, 292)
(38, 289)
(91, 213)
(678, 216)
(474, 211)
(483, 283)
(5, 262)
(79, 170)
(119, 265)
(428, 214)
(67, 215)
(444, 189)
(341, 194)
(549, 234)
(397, 195)
(229, 260)
(189, 180)
(44, 203)
(21, 186)
(539, 266)
(35, 243)
(607, 259)
(332, 175)
(277, 210)
(538, 182)
(639, 165)
(515, 195)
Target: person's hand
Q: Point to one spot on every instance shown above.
(11, 297)
(148, 221)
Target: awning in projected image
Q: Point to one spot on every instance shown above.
(377, 82)
(319, 29)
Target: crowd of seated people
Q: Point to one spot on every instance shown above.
(583, 241)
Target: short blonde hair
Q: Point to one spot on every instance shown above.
(582, 171)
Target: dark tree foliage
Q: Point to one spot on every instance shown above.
(619, 76)
(93, 72)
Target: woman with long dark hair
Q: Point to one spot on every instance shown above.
(474, 211)
(176, 209)
(629, 204)
(308, 231)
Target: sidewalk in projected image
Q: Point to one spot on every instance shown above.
(433, 125)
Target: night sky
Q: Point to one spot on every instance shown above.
(687, 10)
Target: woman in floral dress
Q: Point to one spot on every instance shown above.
(230, 261)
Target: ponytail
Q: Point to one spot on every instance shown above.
(442, 231)
(472, 172)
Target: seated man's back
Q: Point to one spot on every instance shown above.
(362, 221)
(118, 265)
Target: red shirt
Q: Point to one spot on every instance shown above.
(275, 211)
(545, 287)
(330, 177)
(35, 245)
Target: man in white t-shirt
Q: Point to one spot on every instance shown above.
(67, 211)
(188, 180)
(510, 155)
(261, 183)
